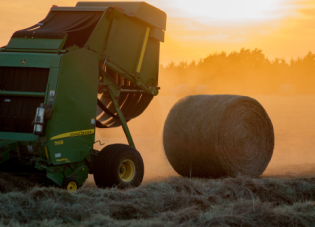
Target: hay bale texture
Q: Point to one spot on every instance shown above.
(215, 136)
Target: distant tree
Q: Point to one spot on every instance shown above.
(244, 71)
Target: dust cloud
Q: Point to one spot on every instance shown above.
(285, 89)
(293, 118)
(147, 131)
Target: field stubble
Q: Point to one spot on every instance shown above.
(175, 202)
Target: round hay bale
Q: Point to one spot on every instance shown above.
(287, 89)
(202, 90)
(215, 136)
(182, 90)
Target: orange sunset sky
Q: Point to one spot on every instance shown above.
(196, 28)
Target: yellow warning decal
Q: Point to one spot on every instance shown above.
(74, 134)
(146, 38)
(63, 160)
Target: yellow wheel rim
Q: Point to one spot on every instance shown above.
(72, 186)
(127, 170)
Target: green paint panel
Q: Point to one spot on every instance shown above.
(56, 177)
(35, 60)
(16, 93)
(18, 136)
(80, 173)
(98, 37)
(52, 82)
(29, 43)
(157, 34)
(5, 148)
(74, 107)
(150, 66)
(68, 171)
(125, 43)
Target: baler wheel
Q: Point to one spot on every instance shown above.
(70, 184)
(118, 165)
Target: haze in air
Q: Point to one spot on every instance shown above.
(263, 49)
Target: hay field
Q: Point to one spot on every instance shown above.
(175, 202)
(283, 196)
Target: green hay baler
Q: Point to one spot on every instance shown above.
(91, 66)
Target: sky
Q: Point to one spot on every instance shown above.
(197, 28)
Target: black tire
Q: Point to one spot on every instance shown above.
(70, 184)
(118, 165)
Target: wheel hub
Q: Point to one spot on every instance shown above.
(127, 170)
(72, 186)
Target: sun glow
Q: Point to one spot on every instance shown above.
(229, 9)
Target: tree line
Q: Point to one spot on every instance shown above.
(242, 72)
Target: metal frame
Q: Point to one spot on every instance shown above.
(114, 91)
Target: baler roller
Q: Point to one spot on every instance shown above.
(131, 105)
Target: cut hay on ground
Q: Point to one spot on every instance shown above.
(177, 202)
(217, 136)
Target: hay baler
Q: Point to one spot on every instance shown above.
(91, 66)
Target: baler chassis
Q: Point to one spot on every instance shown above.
(61, 81)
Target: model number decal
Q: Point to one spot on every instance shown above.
(60, 142)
